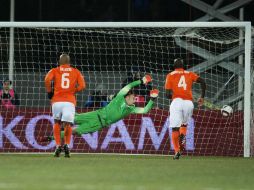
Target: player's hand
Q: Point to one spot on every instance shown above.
(146, 79)
(50, 95)
(200, 102)
(154, 93)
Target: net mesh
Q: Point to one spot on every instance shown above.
(110, 57)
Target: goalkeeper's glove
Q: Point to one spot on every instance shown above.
(50, 95)
(154, 93)
(146, 79)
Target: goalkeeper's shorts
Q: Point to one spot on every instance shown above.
(88, 122)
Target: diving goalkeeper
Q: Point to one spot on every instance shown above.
(121, 106)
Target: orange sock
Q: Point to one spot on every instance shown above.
(67, 134)
(57, 133)
(175, 139)
(183, 130)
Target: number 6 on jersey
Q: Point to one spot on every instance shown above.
(65, 81)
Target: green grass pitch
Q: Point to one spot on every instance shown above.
(116, 172)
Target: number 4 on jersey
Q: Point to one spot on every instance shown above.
(182, 83)
(65, 82)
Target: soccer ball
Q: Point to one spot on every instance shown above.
(226, 110)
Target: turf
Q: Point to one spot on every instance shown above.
(89, 172)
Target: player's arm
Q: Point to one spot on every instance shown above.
(145, 80)
(153, 94)
(48, 78)
(168, 87)
(203, 89)
(81, 82)
(169, 93)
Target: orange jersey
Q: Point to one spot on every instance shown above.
(180, 82)
(67, 81)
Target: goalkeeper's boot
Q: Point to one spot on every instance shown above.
(182, 142)
(177, 156)
(66, 151)
(58, 151)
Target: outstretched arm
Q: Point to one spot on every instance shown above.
(146, 109)
(153, 94)
(127, 88)
(146, 79)
(169, 93)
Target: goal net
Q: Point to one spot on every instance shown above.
(110, 57)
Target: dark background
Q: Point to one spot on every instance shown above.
(96, 10)
(109, 10)
(43, 53)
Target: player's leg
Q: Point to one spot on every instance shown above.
(57, 131)
(67, 138)
(67, 121)
(182, 137)
(175, 121)
(57, 137)
(57, 113)
(85, 123)
(187, 113)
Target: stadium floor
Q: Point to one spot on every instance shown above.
(116, 172)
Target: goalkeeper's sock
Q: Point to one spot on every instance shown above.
(67, 134)
(57, 131)
(175, 140)
(183, 130)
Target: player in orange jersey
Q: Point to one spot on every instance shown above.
(67, 81)
(179, 88)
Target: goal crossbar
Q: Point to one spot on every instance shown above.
(124, 24)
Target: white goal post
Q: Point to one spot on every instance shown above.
(70, 25)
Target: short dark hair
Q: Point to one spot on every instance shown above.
(64, 58)
(129, 93)
(178, 63)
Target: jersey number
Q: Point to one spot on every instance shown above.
(182, 83)
(65, 83)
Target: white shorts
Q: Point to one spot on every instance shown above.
(63, 111)
(180, 112)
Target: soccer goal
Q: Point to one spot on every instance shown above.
(111, 53)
